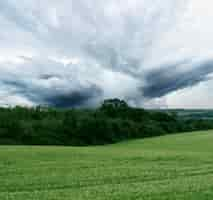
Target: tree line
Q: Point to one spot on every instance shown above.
(114, 121)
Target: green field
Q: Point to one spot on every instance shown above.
(169, 167)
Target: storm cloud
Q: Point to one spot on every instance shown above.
(77, 53)
(165, 80)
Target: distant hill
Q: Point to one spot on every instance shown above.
(191, 113)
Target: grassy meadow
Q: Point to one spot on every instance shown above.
(167, 167)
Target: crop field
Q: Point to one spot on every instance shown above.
(168, 167)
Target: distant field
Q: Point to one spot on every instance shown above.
(168, 167)
(193, 113)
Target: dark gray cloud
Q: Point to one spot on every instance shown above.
(167, 79)
(83, 95)
(50, 83)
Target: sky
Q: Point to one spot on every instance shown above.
(68, 53)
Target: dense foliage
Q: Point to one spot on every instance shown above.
(112, 122)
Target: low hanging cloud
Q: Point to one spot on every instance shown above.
(72, 85)
(165, 80)
(44, 85)
(76, 53)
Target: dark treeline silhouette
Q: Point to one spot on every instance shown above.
(114, 121)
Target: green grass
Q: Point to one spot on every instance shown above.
(169, 167)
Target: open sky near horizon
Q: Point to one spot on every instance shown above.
(69, 53)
